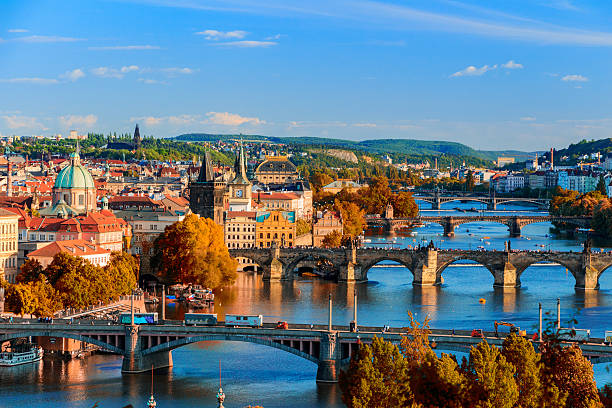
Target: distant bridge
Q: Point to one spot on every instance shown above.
(147, 346)
(436, 199)
(426, 264)
(514, 222)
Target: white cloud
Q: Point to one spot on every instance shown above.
(129, 68)
(17, 30)
(125, 48)
(147, 120)
(84, 122)
(33, 80)
(561, 4)
(473, 71)
(574, 78)
(184, 119)
(231, 119)
(179, 70)
(149, 81)
(274, 37)
(247, 44)
(22, 122)
(512, 65)
(46, 39)
(215, 35)
(528, 118)
(365, 125)
(73, 75)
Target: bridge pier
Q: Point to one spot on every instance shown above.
(492, 205)
(506, 277)
(587, 278)
(449, 229)
(134, 361)
(273, 271)
(426, 273)
(327, 372)
(351, 270)
(515, 228)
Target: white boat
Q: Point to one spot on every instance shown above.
(21, 354)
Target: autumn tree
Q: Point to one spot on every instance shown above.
(377, 377)
(122, 270)
(302, 227)
(29, 271)
(36, 298)
(332, 240)
(568, 370)
(404, 205)
(193, 251)
(601, 186)
(519, 352)
(492, 378)
(469, 180)
(353, 218)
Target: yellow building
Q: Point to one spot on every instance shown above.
(275, 226)
(9, 230)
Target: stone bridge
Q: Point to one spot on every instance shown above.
(436, 200)
(514, 222)
(330, 347)
(427, 264)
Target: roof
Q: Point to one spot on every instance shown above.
(276, 164)
(235, 214)
(342, 184)
(273, 195)
(75, 247)
(74, 175)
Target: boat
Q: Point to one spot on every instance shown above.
(152, 300)
(20, 354)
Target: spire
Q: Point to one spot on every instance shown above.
(137, 139)
(206, 171)
(240, 168)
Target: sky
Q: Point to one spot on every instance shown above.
(500, 74)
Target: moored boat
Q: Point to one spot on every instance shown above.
(21, 354)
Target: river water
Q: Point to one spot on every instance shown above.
(258, 375)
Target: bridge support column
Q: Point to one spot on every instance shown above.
(273, 271)
(492, 205)
(425, 274)
(515, 228)
(134, 361)
(327, 372)
(588, 277)
(449, 229)
(506, 277)
(351, 270)
(436, 204)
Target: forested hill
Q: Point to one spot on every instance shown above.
(573, 151)
(404, 146)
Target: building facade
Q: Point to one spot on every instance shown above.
(275, 227)
(207, 193)
(9, 230)
(325, 223)
(276, 170)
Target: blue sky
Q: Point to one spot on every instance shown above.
(520, 74)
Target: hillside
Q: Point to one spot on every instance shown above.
(573, 151)
(385, 146)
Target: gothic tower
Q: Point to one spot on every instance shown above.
(137, 140)
(240, 187)
(206, 193)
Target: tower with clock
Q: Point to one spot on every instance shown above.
(240, 187)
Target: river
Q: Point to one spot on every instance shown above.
(258, 375)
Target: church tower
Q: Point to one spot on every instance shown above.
(137, 140)
(206, 193)
(240, 187)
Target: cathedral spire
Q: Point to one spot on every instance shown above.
(239, 167)
(137, 140)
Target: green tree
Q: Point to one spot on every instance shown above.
(469, 181)
(492, 382)
(193, 251)
(377, 377)
(601, 186)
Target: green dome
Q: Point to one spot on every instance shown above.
(74, 176)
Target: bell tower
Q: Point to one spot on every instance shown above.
(206, 194)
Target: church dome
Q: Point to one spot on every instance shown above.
(74, 176)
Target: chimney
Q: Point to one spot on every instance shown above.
(552, 161)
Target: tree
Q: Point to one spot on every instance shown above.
(492, 382)
(30, 271)
(20, 299)
(61, 264)
(404, 205)
(332, 240)
(568, 370)
(302, 227)
(353, 218)
(469, 180)
(122, 270)
(377, 377)
(519, 352)
(193, 251)
(601, 186)
(439, 382)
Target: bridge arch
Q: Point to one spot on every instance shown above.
(444, 200)
(473, 261)
(365, 267)
(183, 341)
(535, 201)
(292, 263)
(66, 335)
(546, 259)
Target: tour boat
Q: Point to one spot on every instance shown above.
(21, 354)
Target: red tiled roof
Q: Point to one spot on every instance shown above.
(75, 247)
